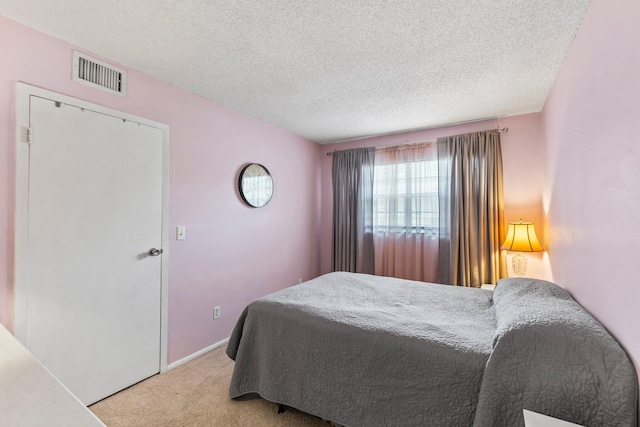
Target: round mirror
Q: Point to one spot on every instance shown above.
(255, 185)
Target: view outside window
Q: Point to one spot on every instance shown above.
(405, 197)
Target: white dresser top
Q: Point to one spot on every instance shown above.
(30, 396)
(534, 419)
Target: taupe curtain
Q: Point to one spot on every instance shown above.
(352, 210)
(471, 209)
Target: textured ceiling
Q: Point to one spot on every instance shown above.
(331, 70)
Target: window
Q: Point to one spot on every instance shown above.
(405, 197)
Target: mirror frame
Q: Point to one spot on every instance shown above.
(241, 189)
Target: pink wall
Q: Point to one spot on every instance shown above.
(522, 154)
(591, 127)
(232, 254)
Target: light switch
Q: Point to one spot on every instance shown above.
(181, 233)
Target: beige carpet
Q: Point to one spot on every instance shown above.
(194, 394)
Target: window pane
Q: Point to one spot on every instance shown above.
(405, 196)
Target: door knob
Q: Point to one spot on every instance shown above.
(154, 252)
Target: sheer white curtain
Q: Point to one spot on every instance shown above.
(405, 211)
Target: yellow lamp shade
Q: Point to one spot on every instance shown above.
(521, 237)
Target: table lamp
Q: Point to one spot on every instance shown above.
(521, 237)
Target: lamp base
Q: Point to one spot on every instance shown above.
(519, 264)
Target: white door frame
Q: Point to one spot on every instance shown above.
(23, 94)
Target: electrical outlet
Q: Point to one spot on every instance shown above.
(216, 312)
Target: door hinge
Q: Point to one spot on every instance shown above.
(29, 135)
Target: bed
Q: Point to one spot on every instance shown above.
(362, 350)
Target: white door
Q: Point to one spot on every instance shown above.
(93, 292)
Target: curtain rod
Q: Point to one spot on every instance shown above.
(500, 130)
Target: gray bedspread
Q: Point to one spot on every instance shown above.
(363, 350)
(552, 357)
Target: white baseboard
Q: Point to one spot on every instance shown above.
(196, 354)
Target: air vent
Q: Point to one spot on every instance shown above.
(98, 74)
